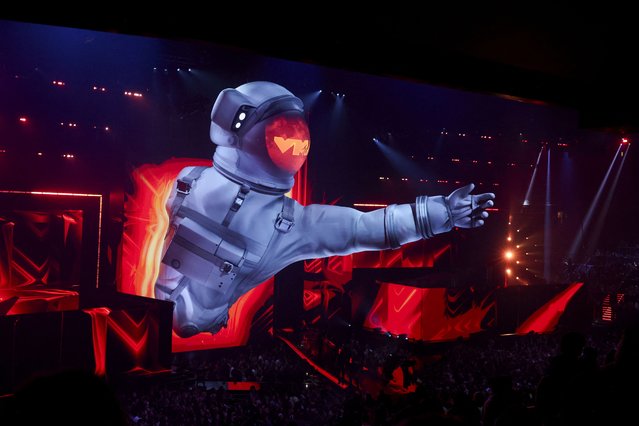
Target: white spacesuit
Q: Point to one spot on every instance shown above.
(232, 227)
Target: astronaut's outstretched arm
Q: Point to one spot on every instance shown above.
(333, 230)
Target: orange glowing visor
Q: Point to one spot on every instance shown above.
(287, 140)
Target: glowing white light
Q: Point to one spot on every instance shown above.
(242, 116)
(237, 125)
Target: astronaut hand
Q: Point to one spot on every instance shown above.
(439, 214)
(466, 210)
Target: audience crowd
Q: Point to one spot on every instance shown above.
(542, 380)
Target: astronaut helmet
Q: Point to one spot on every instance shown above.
(261, 135)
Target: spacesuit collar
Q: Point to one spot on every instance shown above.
(254, 186)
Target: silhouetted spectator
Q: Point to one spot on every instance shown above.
(67, 397)
(503, 407)
(557, 385)
(620, 383)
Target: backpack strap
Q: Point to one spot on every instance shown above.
(184, 185)
(285, 218)
(239, 200)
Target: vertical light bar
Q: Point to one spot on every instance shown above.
(547, 224)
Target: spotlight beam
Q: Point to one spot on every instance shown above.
(532, 179)
(400, 162)
(580, 234)
(310, 98)
(606, 206)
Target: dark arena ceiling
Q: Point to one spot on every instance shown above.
(582, 58)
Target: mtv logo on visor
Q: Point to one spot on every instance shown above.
(288, 142)
(300, 147)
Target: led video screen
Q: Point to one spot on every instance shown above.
(221, 167)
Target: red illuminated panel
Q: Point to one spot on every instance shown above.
(27, 301)
(146, 224)
(6, 251)
(313, 266)
(312, 299)
(319, 292)
(121, 330)
(134, 334)
(339, 270)
(301, 189)
(242, 386)
(29, 264)
(24, 266)
(336, 269)
(396, 383)
(288, 142)
(317, 368)
(545, 319)
(99, 318)
(424, 313)
(419, 254)
(606, 309)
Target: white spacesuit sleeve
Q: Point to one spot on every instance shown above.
(323, 230)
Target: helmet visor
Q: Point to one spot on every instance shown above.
(287, 140)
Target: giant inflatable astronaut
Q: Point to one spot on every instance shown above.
(232, 227)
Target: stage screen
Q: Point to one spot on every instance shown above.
(122, 116)
(49, 250)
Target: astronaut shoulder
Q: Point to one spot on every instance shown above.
(185, 171)
(193, 174)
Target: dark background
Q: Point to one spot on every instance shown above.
(581, 57)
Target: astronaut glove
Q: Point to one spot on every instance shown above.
(436, 215)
